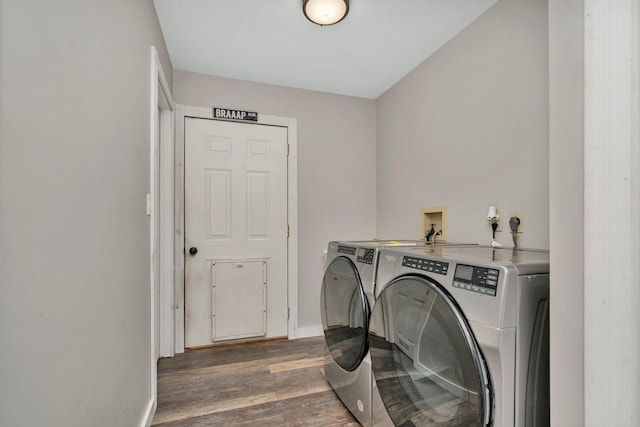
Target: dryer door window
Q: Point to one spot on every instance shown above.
(427, 366)
(345, 313)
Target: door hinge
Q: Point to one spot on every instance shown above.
(288, 313)
(288, 149)
(288, 231)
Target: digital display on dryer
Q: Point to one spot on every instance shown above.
(365, 255)
(476, 279)
(464, 272)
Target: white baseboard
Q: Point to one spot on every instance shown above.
(310, 331)
(148, 414)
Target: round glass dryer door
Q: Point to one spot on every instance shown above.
(426, 363)
(345, 313)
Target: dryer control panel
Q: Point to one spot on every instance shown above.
(476, 279)
(426, 265)
(365, 255)
(346, 250)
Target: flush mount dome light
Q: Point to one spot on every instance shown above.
(325, 12)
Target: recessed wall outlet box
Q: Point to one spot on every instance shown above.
(436, 216)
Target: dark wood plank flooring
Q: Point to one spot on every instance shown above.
(261, 383)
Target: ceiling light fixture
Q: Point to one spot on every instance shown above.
(325, 12)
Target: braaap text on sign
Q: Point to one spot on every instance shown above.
(229, 114)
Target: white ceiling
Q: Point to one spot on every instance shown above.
(271, 41)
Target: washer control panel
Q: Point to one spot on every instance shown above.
(346, 250)
(365, 255)
(431, 266)
(476, 279)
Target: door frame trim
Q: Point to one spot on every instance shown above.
(185, 111)
(161, 138)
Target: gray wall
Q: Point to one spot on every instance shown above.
(74, 236)
(469, 128)
(336, 165)
(566, 84)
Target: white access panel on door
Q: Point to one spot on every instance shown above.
(236, 284)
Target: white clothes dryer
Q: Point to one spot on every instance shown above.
(347, 294)
(459, 336)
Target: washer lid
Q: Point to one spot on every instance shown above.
(345, 313)
(426, 363)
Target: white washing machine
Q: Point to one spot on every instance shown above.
(347, 294)
(459, 336)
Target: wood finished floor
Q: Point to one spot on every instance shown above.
(263, 383)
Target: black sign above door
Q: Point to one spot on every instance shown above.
(229, 114)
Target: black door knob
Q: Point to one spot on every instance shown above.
(193, 250)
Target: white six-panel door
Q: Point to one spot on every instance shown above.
(235, 209)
